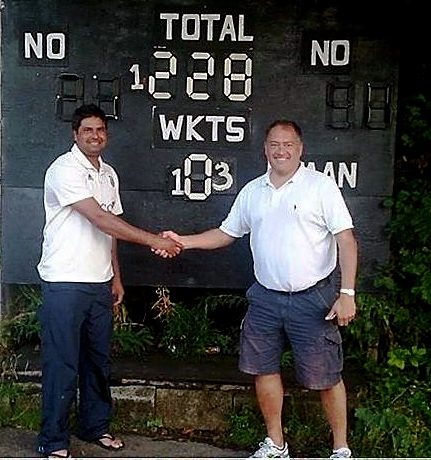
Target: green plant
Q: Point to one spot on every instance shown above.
(410, 232)
(306, 430)
(416, 120)
(287, 359)
(189, 330)
(19, 405)
(130, 338)
(154, 423)
(371, 335)
(401, 357)
(21, 326)
(245, 427)
(8, 365)
(305, 426)
(395, 417)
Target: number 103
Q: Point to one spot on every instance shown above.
(196, 181)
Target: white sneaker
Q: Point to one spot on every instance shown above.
(342, 452)
(267, 449)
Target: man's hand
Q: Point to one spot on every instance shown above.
(166, 246)
(344, 309)
(171, 236)
(117, 292)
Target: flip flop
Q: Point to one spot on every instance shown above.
(99, 442)
(54, 455)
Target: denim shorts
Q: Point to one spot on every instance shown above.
(274, 318)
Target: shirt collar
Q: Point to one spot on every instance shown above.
(295, 178)
(84, 161)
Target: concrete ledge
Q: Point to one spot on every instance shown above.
(166, 393)
(180, 405)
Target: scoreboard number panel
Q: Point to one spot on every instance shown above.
(189, 90)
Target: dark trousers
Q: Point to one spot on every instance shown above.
(76, 328)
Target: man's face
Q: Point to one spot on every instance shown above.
(91, 136)
(283, 150)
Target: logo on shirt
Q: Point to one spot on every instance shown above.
(108, 206)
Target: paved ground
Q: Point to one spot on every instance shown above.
(18, 443)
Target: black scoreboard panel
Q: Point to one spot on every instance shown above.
(189, 88)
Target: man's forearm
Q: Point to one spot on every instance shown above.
(210, 239)
(114, 259)
(120, 229)
(348, 258)
(113, 225)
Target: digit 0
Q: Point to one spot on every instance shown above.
(188, 176)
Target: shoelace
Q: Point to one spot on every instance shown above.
(264, 449)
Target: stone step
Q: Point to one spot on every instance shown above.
(182, 395)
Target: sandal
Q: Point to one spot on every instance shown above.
(110, 446)
(55, 454)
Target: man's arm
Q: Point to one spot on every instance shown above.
(345, 307)
(348, 258)
(117, 284)
(120, 229)
(210, 239)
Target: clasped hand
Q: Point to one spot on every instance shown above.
(170, 245)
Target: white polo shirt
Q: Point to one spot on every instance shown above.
(291, 228)
(73, 249)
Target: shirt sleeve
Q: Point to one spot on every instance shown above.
(235, 224)
(67, 184)
(118, 207)
(335, 211)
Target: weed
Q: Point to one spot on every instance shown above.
(245, 427)
(130, 338)
(8, 365)
(22, 328)
(154, 423)
(19, 405)
(190, 332)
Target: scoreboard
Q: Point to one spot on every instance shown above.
(189, 88)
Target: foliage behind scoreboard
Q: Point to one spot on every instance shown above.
(189, 88)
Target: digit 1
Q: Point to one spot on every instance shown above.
(137, 80)
(177, 191)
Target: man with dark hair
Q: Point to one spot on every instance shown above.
(296, 219)
(81, 283)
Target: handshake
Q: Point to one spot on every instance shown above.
(169, 244)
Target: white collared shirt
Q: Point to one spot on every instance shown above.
(291, 228)
(73, 249)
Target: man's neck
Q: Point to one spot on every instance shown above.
(278, 180)
(94, 161)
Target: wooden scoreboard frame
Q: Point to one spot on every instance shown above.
(189, 88)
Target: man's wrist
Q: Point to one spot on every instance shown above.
(349, 292)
